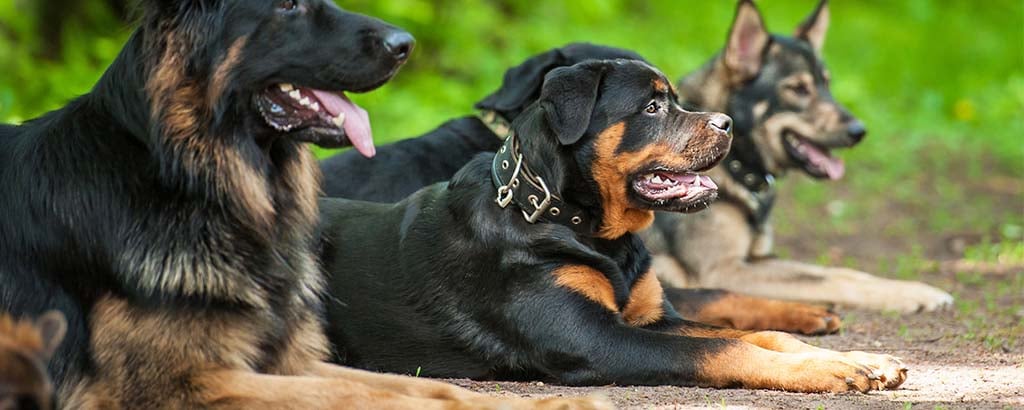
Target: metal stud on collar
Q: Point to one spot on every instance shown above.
(539, 208)
(576, 220)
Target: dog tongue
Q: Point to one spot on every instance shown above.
(833, 167)
(357, 121)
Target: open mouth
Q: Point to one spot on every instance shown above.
(684, 191)
(325, 118)
(815, 159)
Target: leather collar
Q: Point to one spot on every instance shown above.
(759, 184)
(517, 183)
(500, 126)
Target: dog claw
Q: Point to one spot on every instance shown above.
(850, 381)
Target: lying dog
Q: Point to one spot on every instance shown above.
(402, 168)
(170, 212)
(777, 89)
(25, 347)
(525, 264)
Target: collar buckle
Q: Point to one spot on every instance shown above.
(505, 192)
(540, 208)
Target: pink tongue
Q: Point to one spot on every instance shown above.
(833, 167)
(357, 121)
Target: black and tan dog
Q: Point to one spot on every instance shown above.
(402, 168)
(525, 264)
(170, 213)
(25, 348)
(777, 89)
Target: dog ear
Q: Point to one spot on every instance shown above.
(521, 83)
(52, 327)
(748, 40)
(813, 29)
(568, 98)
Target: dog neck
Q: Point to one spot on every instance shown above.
(746, 180)
(538, 200)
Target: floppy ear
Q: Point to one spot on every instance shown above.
(813, 29)
(522, 83)
(568, 98)
(52, 327)
(748, 39)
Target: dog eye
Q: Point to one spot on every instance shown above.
(800, 89)
(652, 108)
(287, 5)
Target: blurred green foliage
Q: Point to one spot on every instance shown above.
(922, 74)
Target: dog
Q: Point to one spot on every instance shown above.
(525, 264)
(777, 89)
(404, 167)
(169, 213)
(25, 347)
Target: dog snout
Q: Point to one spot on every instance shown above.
(720, 123)
(856, 131)
(398, 44)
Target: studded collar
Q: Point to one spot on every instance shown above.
(759, 186)
(518, 184)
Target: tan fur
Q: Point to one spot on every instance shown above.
(589, 282)
(751, 313)
(646, 301)
(610, 170)
(222, 74)
(23, 351)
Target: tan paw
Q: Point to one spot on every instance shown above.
(889, 370)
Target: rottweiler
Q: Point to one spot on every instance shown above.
(777, 89)
(170, 212)
(404, 167)
(525, 265)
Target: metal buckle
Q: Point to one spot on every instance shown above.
(505, 191)
(541, 207)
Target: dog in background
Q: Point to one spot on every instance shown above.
(526, 265)
(25, 348)
(777, 89)
(170, 213)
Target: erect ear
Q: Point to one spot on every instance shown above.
(521, 84)
(568, 98)
(813, 29)
(748, 39)
(52, 327)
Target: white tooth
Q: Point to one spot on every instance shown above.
(305, 102)
(657, 179)
(339, 120)
(287, 87)
(696, 181)
(315, 106)
(295, 94)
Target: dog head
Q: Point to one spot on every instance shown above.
(623, 146)
(521, 85)
(281, 65)
(777, 89)
(25, 348)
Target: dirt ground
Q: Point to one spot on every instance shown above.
(970, 356)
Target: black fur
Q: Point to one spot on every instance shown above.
(447, 284)
(107, 197)
(401, 168)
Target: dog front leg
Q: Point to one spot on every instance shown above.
(728, 309)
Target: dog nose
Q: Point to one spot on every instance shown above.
(721, 122)
(856, 131)
(399, 44)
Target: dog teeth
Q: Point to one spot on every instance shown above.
(286, 87)
(657, 179)
(339, 120)
(295, 94)
(315, 106)
(305, 102)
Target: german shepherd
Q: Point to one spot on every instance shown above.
(525, 265)
(777, 89)
(25, 348)
(170, 212)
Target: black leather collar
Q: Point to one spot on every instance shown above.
(759, 184)
(500, 126)
(517, 183)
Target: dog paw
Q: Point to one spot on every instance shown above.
(888, 371)
(830, 373)
(810, 320)
(913, 297)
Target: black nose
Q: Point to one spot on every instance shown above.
(856, 131)
(721, 122)
(399, 44)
